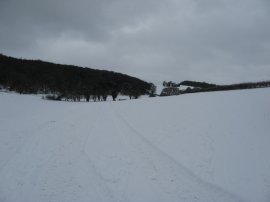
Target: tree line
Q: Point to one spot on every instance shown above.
(172, 88)
(188, 83)
(68, 82)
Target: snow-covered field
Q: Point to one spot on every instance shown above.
(196, 147)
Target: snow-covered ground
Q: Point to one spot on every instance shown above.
(159, 88)
(195, 147)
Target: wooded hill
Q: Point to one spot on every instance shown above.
(67, 81)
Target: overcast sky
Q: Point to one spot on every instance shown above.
(221, 41)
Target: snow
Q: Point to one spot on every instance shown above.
(159, 88)
(194, 147)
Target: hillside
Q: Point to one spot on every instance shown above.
(196, 147)
(67, 81)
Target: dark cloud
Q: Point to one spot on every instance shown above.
(212, 40)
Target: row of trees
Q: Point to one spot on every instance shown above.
(68, 82)
(188, 83)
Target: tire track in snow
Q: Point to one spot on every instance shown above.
(147, 167)
(100, 180)
(171, 174)
(114, 153)
(125, 184)
(160, 181)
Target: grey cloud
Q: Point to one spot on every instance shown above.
(212, 40)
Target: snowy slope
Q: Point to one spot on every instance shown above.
(196, 147)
